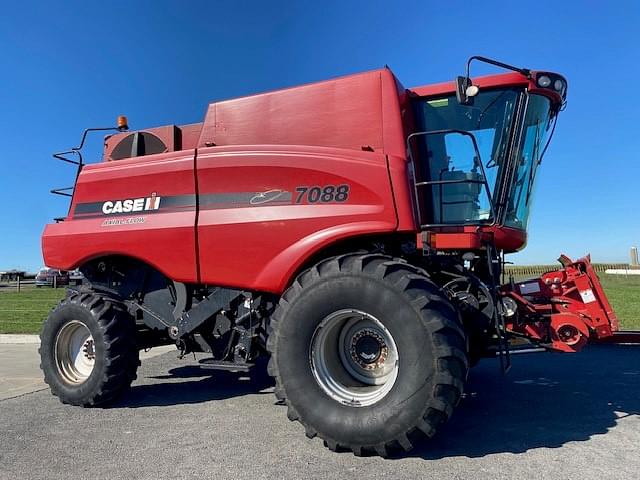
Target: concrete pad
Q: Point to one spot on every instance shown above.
(19, 370)
(14, 339)
(20, 367)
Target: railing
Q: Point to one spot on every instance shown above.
(532, 271)
(78, 161)
(422, 184)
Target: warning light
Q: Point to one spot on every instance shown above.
(123, 124)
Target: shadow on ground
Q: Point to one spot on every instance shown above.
(193, 384)
(546, 400)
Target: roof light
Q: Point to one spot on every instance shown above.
(544, 81)
(558, 85)
(123, 124)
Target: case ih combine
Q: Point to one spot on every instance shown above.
(353, 230)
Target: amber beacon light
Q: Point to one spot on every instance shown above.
(123, 124)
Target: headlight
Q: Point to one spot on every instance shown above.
(544, 81)
(558, 85)
(509, 306)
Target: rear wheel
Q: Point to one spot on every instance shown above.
(88, 350)
(367, 353)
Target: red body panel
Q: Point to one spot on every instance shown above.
(165, 240)
(348, 131)
(473, 238)
(269, 240)
(260, 246)
(353, 112)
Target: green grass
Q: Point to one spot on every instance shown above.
(24, 312)
(623, 292)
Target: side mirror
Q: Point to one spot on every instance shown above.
(465, 91)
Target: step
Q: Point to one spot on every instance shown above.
(213, 364)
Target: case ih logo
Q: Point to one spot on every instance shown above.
(131, 205)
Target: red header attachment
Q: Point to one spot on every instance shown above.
(562, 309)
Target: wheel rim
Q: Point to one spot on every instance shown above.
(354, 358)
(75, 352)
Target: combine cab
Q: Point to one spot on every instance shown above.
(352, 230)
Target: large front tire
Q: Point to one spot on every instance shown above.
(88, 349)
(371, 316)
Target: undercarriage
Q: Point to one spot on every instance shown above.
(559, 311)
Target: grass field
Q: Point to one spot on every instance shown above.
(24, 312)
(623, 292)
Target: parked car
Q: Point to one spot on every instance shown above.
(46, 277)
(76, 277)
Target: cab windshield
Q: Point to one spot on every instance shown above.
(461, 186)
(538, 124)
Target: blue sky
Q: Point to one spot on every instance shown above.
(74, 65)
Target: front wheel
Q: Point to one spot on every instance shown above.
(88, 349)
(367, 353)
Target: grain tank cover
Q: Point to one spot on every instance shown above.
(360, 111)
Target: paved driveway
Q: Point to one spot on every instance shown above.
(554, 416)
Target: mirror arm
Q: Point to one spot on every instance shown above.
(524, 71)
(465, 90)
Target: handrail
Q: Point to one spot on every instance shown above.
(63, 156)
(62, 191)
(77, 150)
(445, 182)
(59, 156)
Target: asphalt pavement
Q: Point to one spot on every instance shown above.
(555, 416)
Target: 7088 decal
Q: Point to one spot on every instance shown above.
(326, 194)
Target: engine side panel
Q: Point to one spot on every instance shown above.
(265, 209)
(261, 211)
(112, 213)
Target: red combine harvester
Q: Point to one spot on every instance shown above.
(353, 230)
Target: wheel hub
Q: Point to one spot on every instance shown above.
(75, 352)
(89, 349)
(354, 358)
(368, 349)
(569, 334)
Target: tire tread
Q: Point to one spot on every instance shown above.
(425, 297)
(121, 351)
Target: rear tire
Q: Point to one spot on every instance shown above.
(397, 306)
(88, 349)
